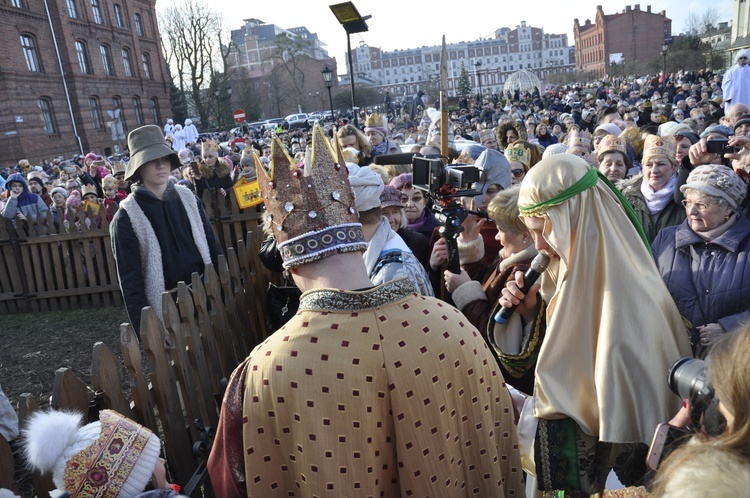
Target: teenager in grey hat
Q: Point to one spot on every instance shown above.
(160, 235)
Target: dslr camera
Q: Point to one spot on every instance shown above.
(690, 378)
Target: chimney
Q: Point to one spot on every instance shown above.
(637, 6)
(648, 9)
(627, 8)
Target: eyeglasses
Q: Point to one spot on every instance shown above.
(698, 205)
(518, 172)
(742, 58)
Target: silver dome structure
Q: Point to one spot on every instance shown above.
(523, 81)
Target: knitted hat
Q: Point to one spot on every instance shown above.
(367, 186)
(74, 199)
(378, 123)
(390, 197)
(401, 181)
(742, 119)
(608, 129)
(717, 130)
(112, 457)
(553, 149)
(656, 145)
(59, 190)
(311, 210)
(717, 181)
(672, 128)
(91, 156)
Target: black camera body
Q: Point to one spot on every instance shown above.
(720, 146)
(690, 378)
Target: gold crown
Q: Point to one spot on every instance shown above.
(118, 167)
(611, 143)
(109, 181)
(519, 153)
(486, 135)
(376, 121)
(655, 145)
(633, 137)
(210, 145)
(579, 139)
(89, 189)
(311, 210)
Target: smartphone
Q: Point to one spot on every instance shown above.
(720, 146)
(666, 439)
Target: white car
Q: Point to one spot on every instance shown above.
(296, 120)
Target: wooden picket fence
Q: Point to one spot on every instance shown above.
(48, 266)
(176, 392)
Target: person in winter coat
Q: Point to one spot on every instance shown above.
(652, 194)
(705, 261)
(22, 205)
(160, 233)
(213, 171)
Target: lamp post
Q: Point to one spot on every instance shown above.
(349, 17)
(664, 49)
(477, 67)
(327, 73)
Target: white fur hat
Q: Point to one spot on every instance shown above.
(741, 53)
(112, 457)
(367, 186)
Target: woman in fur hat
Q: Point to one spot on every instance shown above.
(509, 132)
(213, 171)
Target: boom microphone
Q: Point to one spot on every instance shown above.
(538, 266)
(404, 158)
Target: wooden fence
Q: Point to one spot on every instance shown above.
(175, 391)
(51, 265)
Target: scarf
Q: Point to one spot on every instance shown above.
(656, 201)
(420, 221)
(379, 150)
(375, 246)
(710, 235)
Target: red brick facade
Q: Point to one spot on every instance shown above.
(636, 34)
(30, 76)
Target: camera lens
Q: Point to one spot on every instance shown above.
(687, 377)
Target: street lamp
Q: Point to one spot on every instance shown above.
(349, 17)
(327, 73)
(478, 66)
(664, 49)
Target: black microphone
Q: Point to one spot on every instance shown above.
(404, 158)
(538, 266)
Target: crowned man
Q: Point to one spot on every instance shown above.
(376, 129)
(367, 390)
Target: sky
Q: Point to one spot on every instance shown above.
(405, 24)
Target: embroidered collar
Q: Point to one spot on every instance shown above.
(340, 300)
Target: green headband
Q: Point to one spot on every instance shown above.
(587, 181)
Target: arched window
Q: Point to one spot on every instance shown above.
(83, 57)
(138, 111)
(119, 19)
(72, 9)
(155, 110)
(96, 8)
(109, 69)
(96, 112)
(147, 66)
(31, 53)
(138, 24)
(127, 63)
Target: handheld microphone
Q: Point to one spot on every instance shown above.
(538, 266)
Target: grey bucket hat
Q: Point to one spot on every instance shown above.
(146, 144)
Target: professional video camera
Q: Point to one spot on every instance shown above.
(444, 185)
(690, 378)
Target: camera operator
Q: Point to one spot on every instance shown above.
(729, 367)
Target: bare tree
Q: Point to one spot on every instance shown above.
(288, 56)
(699, 24)
(192, 34)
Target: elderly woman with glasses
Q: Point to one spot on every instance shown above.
(705, 261)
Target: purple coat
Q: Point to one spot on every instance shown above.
(709, 282)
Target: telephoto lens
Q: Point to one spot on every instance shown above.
(689, 376)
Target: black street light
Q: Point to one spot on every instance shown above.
(664, 49)
(327, 73)
(478, 66)
(349, 17)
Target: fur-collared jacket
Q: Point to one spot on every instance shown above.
(672, 214)
(214, 178)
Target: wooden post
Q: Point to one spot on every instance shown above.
(69, 392)
(106, 378)
(143, 404)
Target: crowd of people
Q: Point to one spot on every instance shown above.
(634, 192)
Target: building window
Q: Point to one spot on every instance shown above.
(118, 16)
(83, 57)
(117, 104)
(47, 115)
(139, 25)
(72, 9)
(97, 11)
(96, 113)
(107, 60)
(138, 111)
(146, 66)
(17, 4)
(126, 62)
(31, 53)
(155, 110)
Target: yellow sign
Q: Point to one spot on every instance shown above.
(247, 194)
(93, 206)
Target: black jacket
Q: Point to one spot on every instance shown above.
(180, 255)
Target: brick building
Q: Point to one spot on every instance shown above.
(633, 36)
(66, 63)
